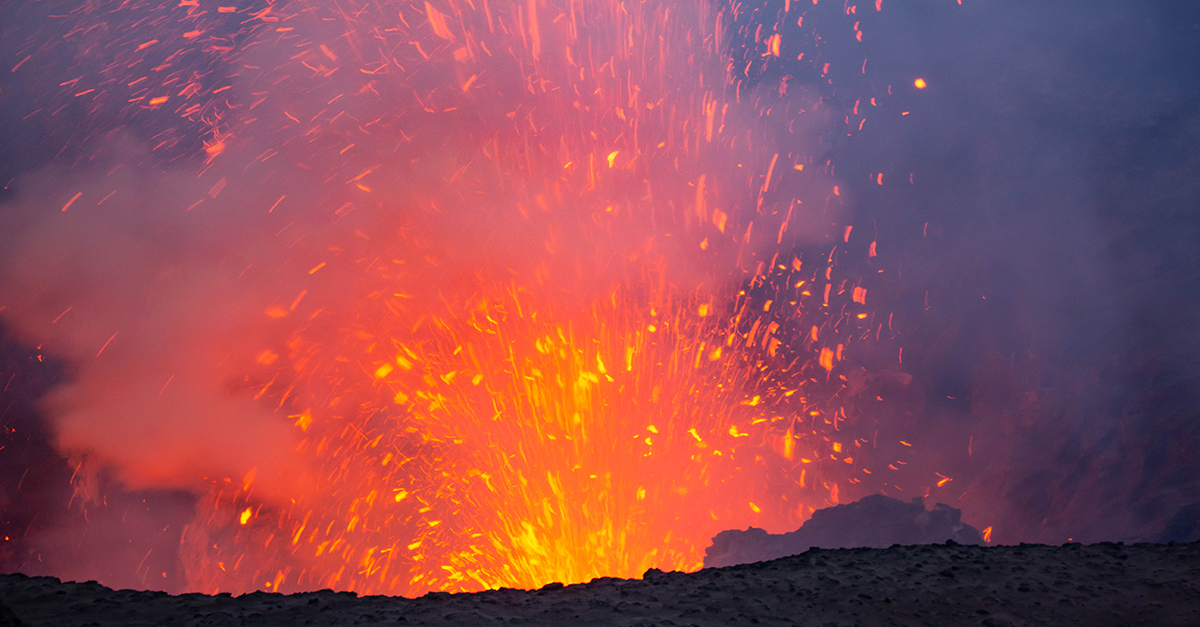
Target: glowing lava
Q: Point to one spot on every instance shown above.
(573, 295)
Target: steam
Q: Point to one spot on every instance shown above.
(158, 309)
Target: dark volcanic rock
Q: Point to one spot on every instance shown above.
(1102, 585)
(875, 521)
(8, 619)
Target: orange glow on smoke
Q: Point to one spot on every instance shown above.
(920, 83)
(551, 323)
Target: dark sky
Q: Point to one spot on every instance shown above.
(1052, 227)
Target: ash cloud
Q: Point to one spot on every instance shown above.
(140, 318)
(1046, 257)
(144, 299)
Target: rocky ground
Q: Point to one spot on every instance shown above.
(1097, 585)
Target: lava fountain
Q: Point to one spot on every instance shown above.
(555, 289)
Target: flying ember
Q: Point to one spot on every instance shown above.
(566, 286)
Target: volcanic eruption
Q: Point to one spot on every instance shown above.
(451, 295)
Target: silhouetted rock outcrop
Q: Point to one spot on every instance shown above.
(874, 521)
